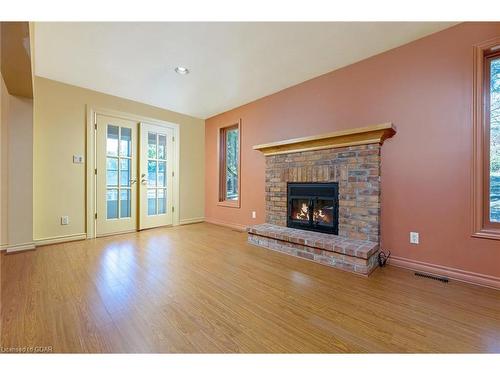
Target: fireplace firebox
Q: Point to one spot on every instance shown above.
(313, 206)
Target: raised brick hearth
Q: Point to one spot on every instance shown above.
(350, 158)
(350, 255)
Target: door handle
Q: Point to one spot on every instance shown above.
(133, 181)
(143, 181)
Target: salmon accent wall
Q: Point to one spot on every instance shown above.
(425, 89)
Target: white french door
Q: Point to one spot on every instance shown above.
(116, 177)
(156, 176)
(134, 173)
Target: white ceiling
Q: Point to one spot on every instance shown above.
(231, 63)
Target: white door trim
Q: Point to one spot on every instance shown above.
(92, 112)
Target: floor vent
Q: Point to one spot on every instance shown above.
(438, 278)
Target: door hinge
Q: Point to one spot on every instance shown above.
(95, 121)
(173, 174)
(95, 171)
(173, 209)
(173, 139)
(95, 216)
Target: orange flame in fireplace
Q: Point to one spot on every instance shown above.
(303, 214)
(319, 215)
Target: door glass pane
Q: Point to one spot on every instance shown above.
(112, 141)
(111, 171)
(151, 202)
(152, 173)
(162, 201)
(495, 140)
(232, 164)
(162, 175)
(126, 142)
(125, 203)
(124, 172)
(162, 147)
(152, 145)
(112, 203)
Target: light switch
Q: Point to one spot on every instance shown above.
(77, 159)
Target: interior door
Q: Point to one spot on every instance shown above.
(156, 176)
(116, 178)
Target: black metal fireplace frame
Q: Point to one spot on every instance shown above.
(322, 191)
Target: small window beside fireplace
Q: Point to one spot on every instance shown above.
(229, 165)
(313, 206)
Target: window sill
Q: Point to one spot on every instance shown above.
(487, 233)
(233, 204)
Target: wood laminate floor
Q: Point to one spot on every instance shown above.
(202, 288)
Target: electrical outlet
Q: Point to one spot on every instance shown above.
(64, 220)
(414, 238)
(77, 159)
(254, 215)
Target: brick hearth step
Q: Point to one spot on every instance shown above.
(352, 255)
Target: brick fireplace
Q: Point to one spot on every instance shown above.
(356, 170)
(349, 161)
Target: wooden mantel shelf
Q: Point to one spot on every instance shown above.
(344, 138)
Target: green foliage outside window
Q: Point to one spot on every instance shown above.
(232, 152)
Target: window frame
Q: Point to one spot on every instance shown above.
(482, 226)
(221, 168)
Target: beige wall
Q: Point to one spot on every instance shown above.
(3, 161)
(4, 98)
(20, 172)
(60, 132)
(16, 160)
(16, 171)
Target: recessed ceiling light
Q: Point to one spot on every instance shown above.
(182, 70)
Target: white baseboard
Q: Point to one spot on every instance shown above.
(20, 247)
(43, 242)
(192, 220)
(60, 239)
(452, 273)
(239, 227)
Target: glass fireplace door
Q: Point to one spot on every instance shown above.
(323, 211)
(300, 210)
(313, 206)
